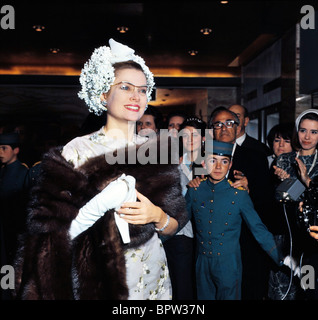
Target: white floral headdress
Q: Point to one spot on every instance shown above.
(98, 74)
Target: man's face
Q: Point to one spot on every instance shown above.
(223, 133)
(7, 154)
(239, 111)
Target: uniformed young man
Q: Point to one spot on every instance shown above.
(13, 192)
(218, 209)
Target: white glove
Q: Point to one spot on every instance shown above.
(292, 264)
(111, 197)
(130, 196)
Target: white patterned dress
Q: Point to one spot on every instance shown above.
(146, 266)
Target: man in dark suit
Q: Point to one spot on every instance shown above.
(253, 164)
(242, 138)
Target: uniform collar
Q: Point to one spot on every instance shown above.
(13, 164)
(217, 186)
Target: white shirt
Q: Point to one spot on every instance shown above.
(241, 139)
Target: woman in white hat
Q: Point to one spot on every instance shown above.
(303, 162)
(88, 237)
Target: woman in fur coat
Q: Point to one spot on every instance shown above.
(99, 208)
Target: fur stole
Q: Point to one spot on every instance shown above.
(92, 266)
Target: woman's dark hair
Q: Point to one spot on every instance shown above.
(195, 123)
(176, 114)
(198, 124)
(157, 116)
(284, 130)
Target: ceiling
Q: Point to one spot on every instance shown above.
(162, 33)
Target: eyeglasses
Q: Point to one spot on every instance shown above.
(130, 88)
(228, 124)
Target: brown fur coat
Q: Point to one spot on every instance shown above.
(92, 266)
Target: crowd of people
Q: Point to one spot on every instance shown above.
(208, 226)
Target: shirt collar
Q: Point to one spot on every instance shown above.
(241, 139)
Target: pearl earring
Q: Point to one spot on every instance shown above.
(104, 104)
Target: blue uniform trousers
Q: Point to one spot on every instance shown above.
(219, 277)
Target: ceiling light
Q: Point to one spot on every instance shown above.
(38, 28)
(193, 52)
(122, 29)
(302, 97)
(206, 31)
(55, 50)
(224, 2)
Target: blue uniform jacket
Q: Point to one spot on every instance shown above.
(217, 210)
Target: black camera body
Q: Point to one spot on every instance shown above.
(289, 190)
(309, 215)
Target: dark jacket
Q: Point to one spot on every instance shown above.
(255, 167)
(13, 198)
(252, 143)
(218, 211)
